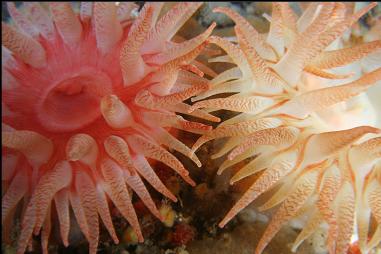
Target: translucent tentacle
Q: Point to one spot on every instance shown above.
(228, 163)
(8, 166)
(376, 238)
(252, 104)
(330, 143)
(302, 105)
(166, 76)
(363, 219)
(131, 62)
(184, 109)
(156, 152)
(116, 189)
(21, 21)
(116, 113)
(275, 35)
(183, 48)
(323, 74)
(307, 17)
(233, 73)
(144, 169)
(260, 45)
(104, 212)
(57, 178)
(330, 188)
(258, 164)
(117, 148)
(374, 198)
(137, 185)
(279, 196)
(46, 232)
(108, 30)
(14, 193)
(40, 19)
(289, 208)
(27, 49)
(34, 146)
(86, 192)
(312, 224)
(234, 52)
(340, 57)
(67, 22)
(237, 130)
(227, 146)
(27, 226)
(168, 140)
(82, 147)
(280, 137)
(263, 183)
(204, 68)
(79, 213)
(345, 217)
(266, 79)
(61, 200)
(234, 86)
(168, 25)
(315, 39)
(306, 46)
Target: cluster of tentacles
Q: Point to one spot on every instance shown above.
(88, 98)
(308, 139)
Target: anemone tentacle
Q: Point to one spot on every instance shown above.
(83, 92)
(313, 148)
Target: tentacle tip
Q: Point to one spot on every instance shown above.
(209, 128)
(192, 108)
(217, 120)
(222, 224)
(214, 156)
(231, 156)
(65, 243)
(160, 217)
(191, 182)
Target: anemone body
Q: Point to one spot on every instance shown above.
(88, 101)
(303, 122)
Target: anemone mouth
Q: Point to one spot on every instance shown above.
(74, 102)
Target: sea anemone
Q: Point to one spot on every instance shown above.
(88, 98)
(310, 140)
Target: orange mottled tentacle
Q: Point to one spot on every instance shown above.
(289, 208)
(116, 189)
(61, 200)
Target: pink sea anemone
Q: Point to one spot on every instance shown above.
(304, 122)
(87, 99)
